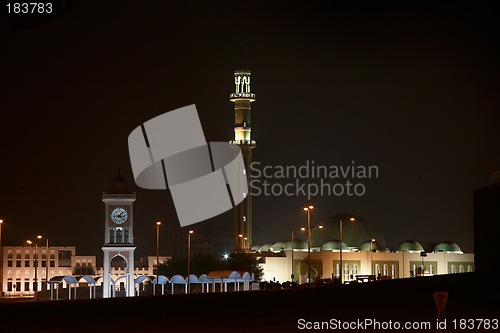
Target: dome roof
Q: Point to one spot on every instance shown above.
(265, 248)
(374, 246)
(355, 231)
(298, 244)
(278, 247)
(118, 185)
(410, 245)
(255, 248)
(334, 245)
(447, 246)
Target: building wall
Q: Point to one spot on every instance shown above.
(19, 266)
(387, 265)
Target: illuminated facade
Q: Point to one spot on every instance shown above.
(25, 267)
(118, 234)
(364, 255)
(242, 97)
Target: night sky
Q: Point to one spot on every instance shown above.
(414, 91)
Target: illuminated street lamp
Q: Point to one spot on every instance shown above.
(47, 261)
(189, 260)
(1, 260)
(351, 219)
(35, 287)
(158, 224)
(241, 238)
(371, 255)
(308, 209)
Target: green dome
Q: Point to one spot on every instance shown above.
(447, 246)
(334, 245)
(355, 231)
(265, 248)
(374, 246)
(255, 248)
(298, 245)
(278, 247)
(410, 246)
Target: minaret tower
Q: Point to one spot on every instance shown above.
(242, 99)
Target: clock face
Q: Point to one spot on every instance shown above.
(119, 216)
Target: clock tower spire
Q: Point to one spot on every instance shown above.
(118, 233)
(242, 97)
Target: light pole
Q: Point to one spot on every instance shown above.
(292, 276)
(1, 260)
(308, 210)
(35, 287)
(371, 255)
(189, 260)
(158, 223)
(352, 219)
(47, 261)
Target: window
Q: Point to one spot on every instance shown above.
(26, 286)
(9, 263)
(384, 273)
(461, 268)
(393, 271)
(18, 263)
(469, 268)
(64, 258)
(44, 263)
(52, 263)
(337, 270)
(377, 269)
(431, 269)
(453, 270)
(355, 269)
(26, 263)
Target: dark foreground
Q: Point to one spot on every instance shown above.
(471, 296)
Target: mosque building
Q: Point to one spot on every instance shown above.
(362, 255)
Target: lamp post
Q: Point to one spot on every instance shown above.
(352, 219)
(292, 276)
(1, 260)
(371, 255)
(158, 223)
(47, 261)
(35, 287)
(189, 260)
(308, 210)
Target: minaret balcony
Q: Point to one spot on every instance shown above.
(243, 142)
(247, 96)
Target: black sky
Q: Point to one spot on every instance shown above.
(411, 90)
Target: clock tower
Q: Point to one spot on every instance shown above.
(118, 233)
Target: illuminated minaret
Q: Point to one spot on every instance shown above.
(242, 99)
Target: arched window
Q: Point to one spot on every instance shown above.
(453, 270)
(393, 271)
(355, 269)
(384, 272)
(469, 268)
(461, 268)
(377, 269)
(414, 270)
(431, 269)
(337, 270)
(346, 272)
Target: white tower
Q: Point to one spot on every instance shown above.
(118, 233)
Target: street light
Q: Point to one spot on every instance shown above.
(351, 219)
(35, 287)
(1, 260)
(371, 255)
(158, 223)
(47, 260)
(189, 260)
(241, 237)
(308, 210)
